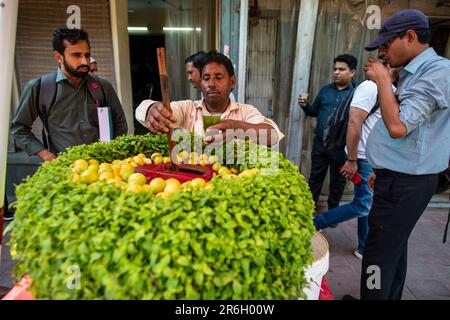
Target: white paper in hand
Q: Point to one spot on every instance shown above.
(105, 124)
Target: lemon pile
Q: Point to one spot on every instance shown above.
(122, 173)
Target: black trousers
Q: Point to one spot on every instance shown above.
(321, 159)
(399, 201)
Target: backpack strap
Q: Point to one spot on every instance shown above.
(446, 228)
(47, 95)
(375, 107)
(96, 91)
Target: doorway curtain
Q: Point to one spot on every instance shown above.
(194, 23)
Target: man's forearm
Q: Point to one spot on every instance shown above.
(264, 132)
(310, 110)
(26, 139)
(141, 111)
(352, 140)
(390, 110)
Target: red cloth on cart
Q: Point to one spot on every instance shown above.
(20, 291)
(325, 293)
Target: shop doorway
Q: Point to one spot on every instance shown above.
(183, 28)
(144, 71)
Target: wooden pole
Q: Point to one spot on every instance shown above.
(163, 79)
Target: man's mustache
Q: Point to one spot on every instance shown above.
(83, 66)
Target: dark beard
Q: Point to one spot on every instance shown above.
(75, 73)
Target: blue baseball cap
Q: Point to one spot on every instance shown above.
(403, 20)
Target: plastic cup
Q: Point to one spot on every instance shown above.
(304, 96)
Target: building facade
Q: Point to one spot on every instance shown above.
(279, 48)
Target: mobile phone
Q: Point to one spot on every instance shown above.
(357, 178)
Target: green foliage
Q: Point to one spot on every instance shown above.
(245, 239)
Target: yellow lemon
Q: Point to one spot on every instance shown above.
(118, 181)
(76, 178)
(126, 171)
(89, 176)
(115, 162)
(246, 173)
(105, 167)
(146, 188)
(212, 159)
(157, 185)
(137, 178)
(178, 159)
(192, 161)
(209, 186)
(186, 186)
(116, 169)
(147, 161)
(234, 171)
(173, 181)
(198, 183)
(135, 188)
(194, 157)
(93, 167)
(138, 160)
(204, 162)
(172, 185)
(224, 170)
(216, 166)
(184, 154)
(80, 165)
(157, 160)
(171, 188)
(163, 195)
(155, 155)
(167, 160)
(105, 176)
(229, 176)
(93, 162)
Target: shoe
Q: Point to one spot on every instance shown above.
(9, 215)
(333, 225)
(358, 254)
(348, 297)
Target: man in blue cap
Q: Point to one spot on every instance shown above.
(407, 149)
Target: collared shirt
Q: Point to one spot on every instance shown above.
(424, 97)
(72, 119)
(189, 113)
(328, 99)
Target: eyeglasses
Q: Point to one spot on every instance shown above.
(386, 45)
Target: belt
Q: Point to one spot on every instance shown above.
(390, 173)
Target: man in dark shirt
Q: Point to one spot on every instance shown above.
(72, 118)
(328, 99)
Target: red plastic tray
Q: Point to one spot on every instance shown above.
(184, 173)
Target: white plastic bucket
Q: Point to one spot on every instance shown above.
(317, 270)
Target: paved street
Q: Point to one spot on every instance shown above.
(428, 275)
(429, 260)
